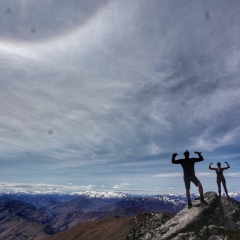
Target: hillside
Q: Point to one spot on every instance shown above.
(113, 228)
(219, 220)
(34, 216)
(20, 221)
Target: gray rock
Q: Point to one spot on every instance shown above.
(145, 229)
(219, 220)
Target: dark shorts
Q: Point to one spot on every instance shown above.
(221, 180)
(190, 179)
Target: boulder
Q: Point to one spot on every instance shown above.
(220, 219)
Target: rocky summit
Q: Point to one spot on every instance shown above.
(219, 220)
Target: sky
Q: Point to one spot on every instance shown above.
(97, 95)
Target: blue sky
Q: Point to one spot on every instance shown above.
(97, 95)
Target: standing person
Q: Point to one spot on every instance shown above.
(220, 177)
(189, 174)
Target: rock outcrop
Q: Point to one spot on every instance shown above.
(219, 220)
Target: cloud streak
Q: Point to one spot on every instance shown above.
(42, 188)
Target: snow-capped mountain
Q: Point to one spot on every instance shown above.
(111, 194)
(94, 194)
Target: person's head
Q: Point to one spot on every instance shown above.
(219, 164)
(186, 153)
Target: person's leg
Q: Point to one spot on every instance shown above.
(200, 189)
(188, 198)
(225, 187)
(219, 187)
(187, 187)
(188, 194)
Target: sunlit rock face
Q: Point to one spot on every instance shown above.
(220, 219)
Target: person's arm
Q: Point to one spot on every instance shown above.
(210, 166)
(227, 166)
(200, 157)
(174, 161)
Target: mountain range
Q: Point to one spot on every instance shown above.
(40, 216)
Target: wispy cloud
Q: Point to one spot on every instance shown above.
(168, 175)
(117, 186)
(122, 185)
(43, 188)
(200, 174)
(122, 84)
(236, 174)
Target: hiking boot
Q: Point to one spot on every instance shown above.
(189, 205)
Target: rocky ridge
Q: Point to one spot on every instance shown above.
(219, 220)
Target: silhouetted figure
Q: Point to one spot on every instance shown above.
(220, 177)
(189, 174)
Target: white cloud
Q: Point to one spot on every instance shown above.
(168, 175)
(125, 184)
(210, 140)
(122, 185)
(43, 188)
(236, 174)
(117, 186)
(205, 174)
(154, 149)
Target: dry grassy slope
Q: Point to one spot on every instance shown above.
(13, 227)
(106, 229)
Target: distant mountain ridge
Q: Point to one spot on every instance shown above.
(97, 194)
(47, 214)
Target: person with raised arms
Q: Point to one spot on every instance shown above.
(220, 177)
(189, 174)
